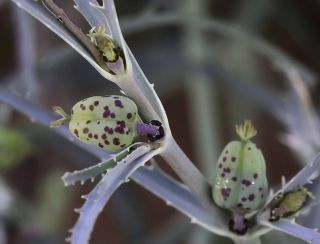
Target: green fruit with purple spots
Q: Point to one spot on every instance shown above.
(240, 182)
(109, 122)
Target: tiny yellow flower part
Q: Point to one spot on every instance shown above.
(105, 44)
(240, 182)
(109, 122)
(290, 203)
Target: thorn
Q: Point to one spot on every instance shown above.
(92, 179)
(82, 182)
(70, 230)
(84, 197)
(68, 239)
(283, 180)
(96, 5)
(77, 210)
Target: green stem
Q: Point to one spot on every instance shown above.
(248, 241)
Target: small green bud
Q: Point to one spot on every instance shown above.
(290, 203)
(240, 182)
(105, 44)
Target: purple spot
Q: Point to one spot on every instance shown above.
(100, 145)
(98, 123)
(246, 182)
(233, 159)
(104, 136)
(85, 130)
(116, 141)
(106, 142)
(90, 135)
(106, 114)
(129, 115)
(251, 197)
(224, 159)
(76, 132)
(113, 115)
(91, 107)
(226, 170)
(118, 103)
(255, 176)
(119, 129)
(225, 192)
(95, 136)
(243, 199)
(96, 103)
(234, 178)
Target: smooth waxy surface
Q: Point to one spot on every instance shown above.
(240, 182)
(105, 121)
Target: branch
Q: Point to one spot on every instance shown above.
(75, 30)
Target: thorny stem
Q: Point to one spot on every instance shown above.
(75, 30)
(186, 170)
(248, 241)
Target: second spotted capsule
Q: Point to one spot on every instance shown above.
(240, 182)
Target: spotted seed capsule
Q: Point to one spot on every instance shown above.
(109, 122)
(290, 203)
(240, 182)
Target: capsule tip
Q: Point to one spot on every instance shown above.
(61, 121)
(246, 130)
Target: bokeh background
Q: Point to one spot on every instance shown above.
(214, 64)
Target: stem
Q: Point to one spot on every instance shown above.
(186, 170)
(248, 241)
(75, 30)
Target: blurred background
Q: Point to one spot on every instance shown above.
(214, 64)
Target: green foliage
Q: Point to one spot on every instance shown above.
(14, 147)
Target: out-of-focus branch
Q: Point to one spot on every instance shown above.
(26, 52)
